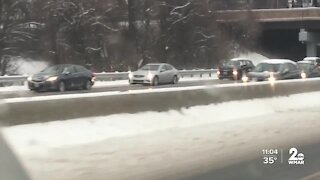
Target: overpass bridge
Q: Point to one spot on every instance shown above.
(299, 27)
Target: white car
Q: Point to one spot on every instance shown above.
(154, 74)
(314, 60)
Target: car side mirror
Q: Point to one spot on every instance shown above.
(67, 73)
(162, 70)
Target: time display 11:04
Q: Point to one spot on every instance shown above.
(270, 151)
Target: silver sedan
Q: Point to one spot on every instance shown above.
(154, 74)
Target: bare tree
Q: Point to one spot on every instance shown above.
(77, 31)
(188, 32)
(17, 32)
(140, 17)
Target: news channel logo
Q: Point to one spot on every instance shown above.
(296, 158)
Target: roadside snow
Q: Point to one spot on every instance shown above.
(42, 137)
(254, 57)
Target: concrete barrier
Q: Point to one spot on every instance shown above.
(10, 167)
(24, 112)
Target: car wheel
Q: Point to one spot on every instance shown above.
(175, 79)
(155, 81)
(62, 86)
(87, 85)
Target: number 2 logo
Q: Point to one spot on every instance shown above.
(295, 156)
(294, 153)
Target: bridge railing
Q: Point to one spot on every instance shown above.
(255, 4)
(269, 15)
(110, 76)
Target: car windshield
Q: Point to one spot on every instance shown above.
(150, 68)
(54, 69)
(231, 63)
(269, 67)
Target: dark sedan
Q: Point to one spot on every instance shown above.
(234, 68)
(274, 69)
(62, 77)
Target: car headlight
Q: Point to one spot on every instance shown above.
(130, 75)
(150, 76)
(93, 79)
(303, 75)
(30, 78)
(272, 78)
(245, 79)
(235, 72)
(218, 72)
(53, 78)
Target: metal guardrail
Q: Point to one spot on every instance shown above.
(116, 75)
(270, 15)
(192, 73)
(4, 79)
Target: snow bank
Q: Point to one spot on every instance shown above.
(41, 137)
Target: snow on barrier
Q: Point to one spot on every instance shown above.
(40, 109)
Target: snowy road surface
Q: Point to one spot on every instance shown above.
(196, 143)
(22, 91)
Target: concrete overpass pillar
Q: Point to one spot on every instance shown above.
(312, 39)
(311, 49)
